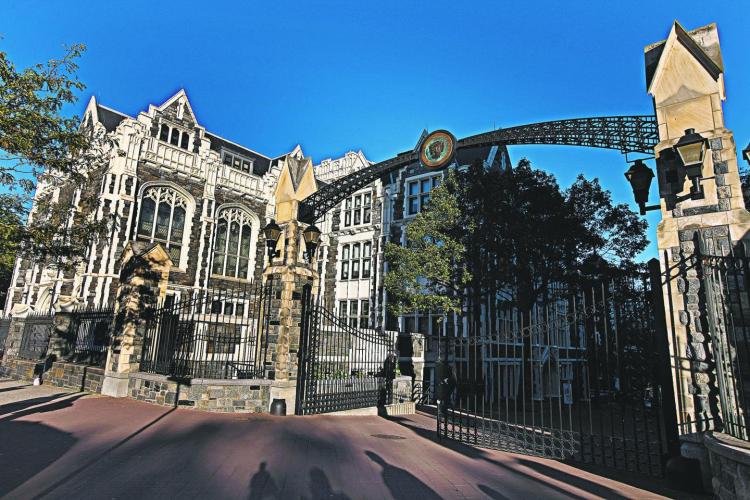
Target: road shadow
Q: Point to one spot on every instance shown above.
(26, 403)
(39, 405)
(493, 494)
(550, 472)
(402, 484)
(26, 448)
(14, 388)
(320, 487)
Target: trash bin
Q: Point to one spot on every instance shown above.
(278, 407)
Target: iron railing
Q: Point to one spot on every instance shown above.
(92, 327)
(37, 329)
(725, 347)
(574, 378)
(210, 334)
(340, 367)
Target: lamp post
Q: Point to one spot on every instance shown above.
(272, 232)
(684, 159)
(640, 176)
(311, 236)
(692, 150)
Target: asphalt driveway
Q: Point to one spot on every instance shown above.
(57, 444)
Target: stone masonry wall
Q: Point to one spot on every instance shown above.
(21, 369)
(74, 376)
(730, 466)
(228, 396)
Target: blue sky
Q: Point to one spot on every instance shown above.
(341, 75)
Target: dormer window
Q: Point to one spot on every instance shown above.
(174, 136)
(237, 162)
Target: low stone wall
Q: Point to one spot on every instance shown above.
(406, 408)
(730, 465)
(22, 369)
(229, 396)
(75, 376)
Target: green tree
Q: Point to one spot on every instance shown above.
(48, 161)
(515, 235)
(429, 273)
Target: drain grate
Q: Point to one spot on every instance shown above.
(387, 436)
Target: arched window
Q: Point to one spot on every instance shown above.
(185, 140)
(162, 219)
(174, 139)
(164, 133)
(232, 253)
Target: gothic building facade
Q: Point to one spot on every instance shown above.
(206, 199)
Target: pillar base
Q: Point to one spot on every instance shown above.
(286, 390)
(115, 384)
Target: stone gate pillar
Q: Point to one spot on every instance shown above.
(289, 273)
(685, 76)
(143, 282)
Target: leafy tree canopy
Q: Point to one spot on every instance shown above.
(47, 162)
(512, 235)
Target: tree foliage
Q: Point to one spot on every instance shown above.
(429, 272)
(513, 235)
(48, 162)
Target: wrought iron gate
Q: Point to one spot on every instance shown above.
(37, 329)
(340, 367)
(576, 378)
(210, 334)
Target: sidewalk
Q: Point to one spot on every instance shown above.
(58, 444)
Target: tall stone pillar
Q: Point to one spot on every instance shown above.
(15, 332)
(290, 276)
(62, 340)
(143, 282)
(686, 79)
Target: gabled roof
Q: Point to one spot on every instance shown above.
(109, 117)
(711, 62)
(180, 94)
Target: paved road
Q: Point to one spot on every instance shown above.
(56, 444)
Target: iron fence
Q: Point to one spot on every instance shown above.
(423, 393)
(92, 327)
(577, 377)
(37, 329)
(720, 360)
(209, 334)
(341, 367)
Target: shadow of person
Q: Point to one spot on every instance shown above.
(320, 487)
(262, 484)
(402, 484)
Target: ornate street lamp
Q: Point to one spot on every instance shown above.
(311, 236)
(692, 149)
(272, 232)
(746, 153)
(640, 176)
(685, 158)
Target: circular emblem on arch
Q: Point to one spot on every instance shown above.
(437, 149)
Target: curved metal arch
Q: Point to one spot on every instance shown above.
(628, 134)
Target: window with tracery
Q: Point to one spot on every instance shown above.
(162, 219)
(233, 244)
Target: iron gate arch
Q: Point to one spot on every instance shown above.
(340, 367)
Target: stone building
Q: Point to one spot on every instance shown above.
(206, 199)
